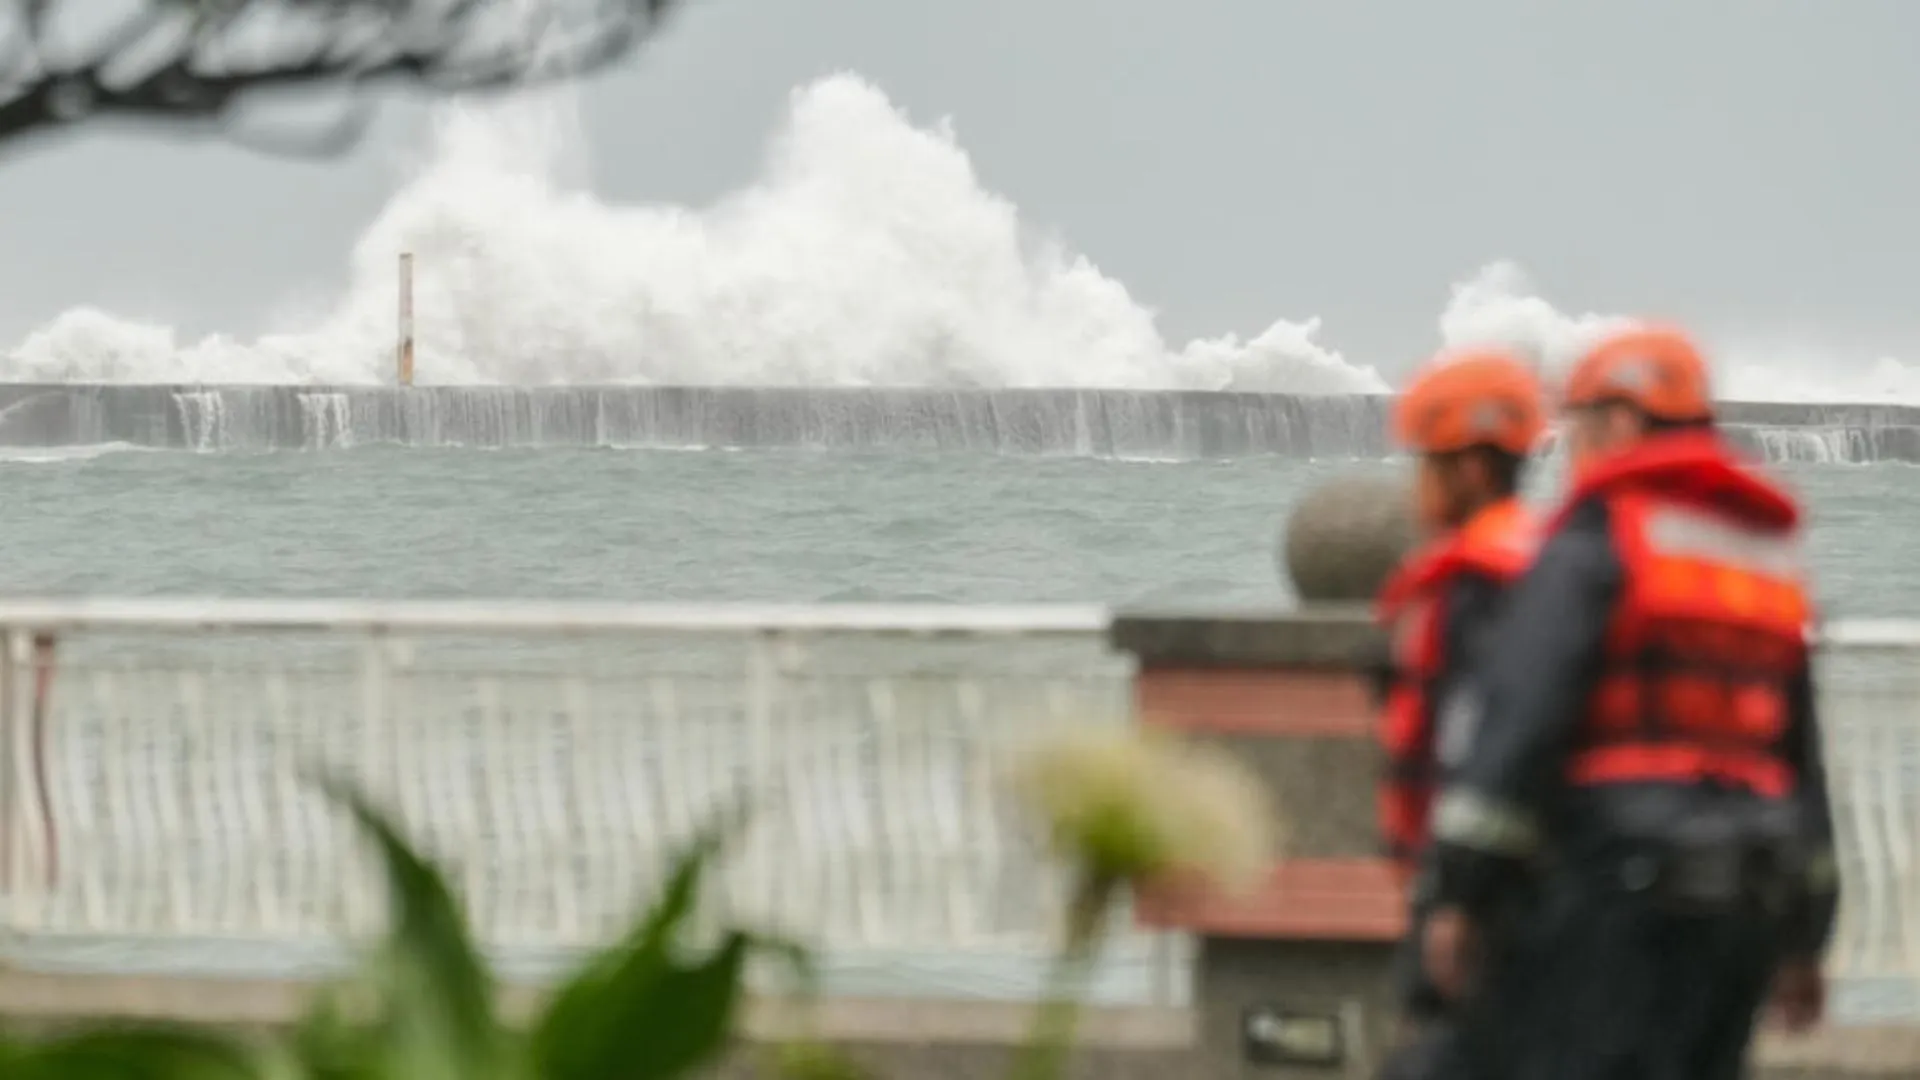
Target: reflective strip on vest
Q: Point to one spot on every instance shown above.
(1477, 821)
(1689, 533)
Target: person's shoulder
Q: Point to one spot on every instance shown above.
(1580, 542)
(1476, 587)
(1584, 515)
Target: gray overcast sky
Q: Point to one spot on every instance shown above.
(1749, 166)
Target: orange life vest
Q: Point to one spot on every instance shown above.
(1710, 627)
(1498, 543)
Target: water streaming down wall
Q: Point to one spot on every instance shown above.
(1094, 423)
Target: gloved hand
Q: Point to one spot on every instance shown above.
(1417, 1057)
(1450, 944)
(1799, 994)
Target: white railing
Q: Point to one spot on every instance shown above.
(151, 811)
(1870, 697)
(551, 755)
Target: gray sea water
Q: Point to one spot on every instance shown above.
(386, 521)
(748, 525)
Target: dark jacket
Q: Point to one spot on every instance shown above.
(1469, 608)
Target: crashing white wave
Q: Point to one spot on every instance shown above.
(1499, 307)
(866, 252)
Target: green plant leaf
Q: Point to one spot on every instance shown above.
(577, 1008)
(689, 1012)
(637, 1011)
(795, 959)
(809, 1060)
(586, 1023)
(132, 1052)
(327, 1045)
(438, 1018)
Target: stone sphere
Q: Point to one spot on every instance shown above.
(1345, 538)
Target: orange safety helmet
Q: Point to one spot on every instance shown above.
(1471, 399)
(1656, 369)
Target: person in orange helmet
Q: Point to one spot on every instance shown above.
(1473, 419)
(1643, 759)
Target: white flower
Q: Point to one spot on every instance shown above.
(1142, 806)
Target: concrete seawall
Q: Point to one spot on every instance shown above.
(1166, 425)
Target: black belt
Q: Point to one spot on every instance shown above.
(1768, 876)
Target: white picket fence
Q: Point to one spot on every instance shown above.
(155, 815)
(1870, 702)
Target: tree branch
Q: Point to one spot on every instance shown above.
(359, 43)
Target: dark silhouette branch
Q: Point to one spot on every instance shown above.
(190, 63)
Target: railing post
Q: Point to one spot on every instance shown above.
(30, 857)
(12, 788)
(762, 705)
(364, 892)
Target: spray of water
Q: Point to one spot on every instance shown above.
(864, 253)
(1499, 307)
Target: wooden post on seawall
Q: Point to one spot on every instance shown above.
(404, 358)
